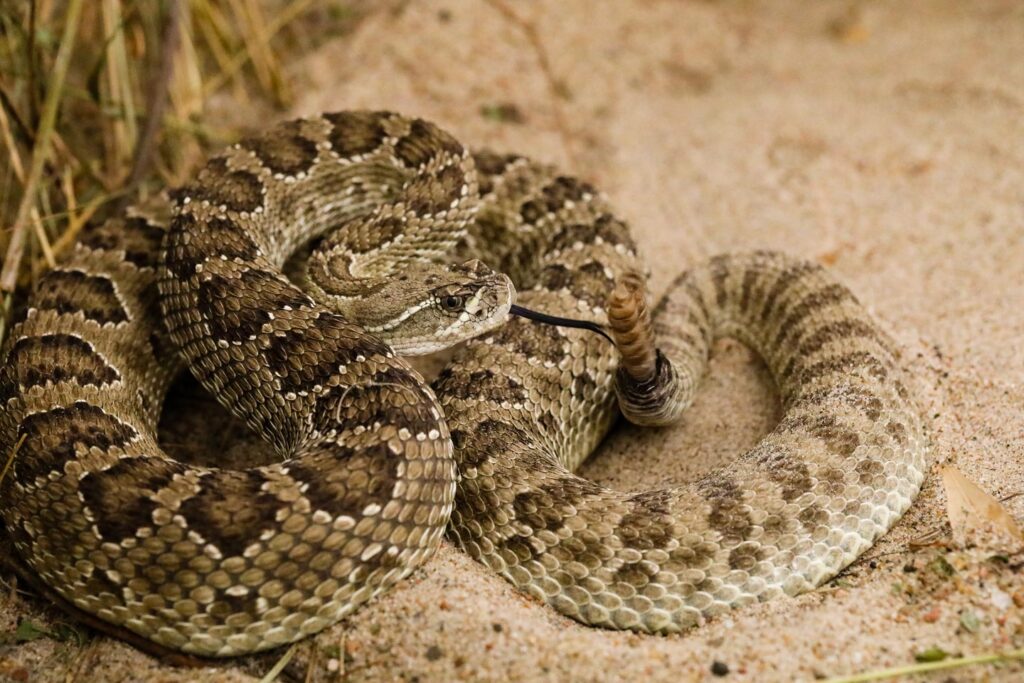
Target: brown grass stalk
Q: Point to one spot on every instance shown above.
(55, 87)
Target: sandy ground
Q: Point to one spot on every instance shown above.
(885, 139)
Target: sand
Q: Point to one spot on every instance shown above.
(885, 139)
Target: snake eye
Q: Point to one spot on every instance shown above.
(452, 303)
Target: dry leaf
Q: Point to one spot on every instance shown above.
(971, 509)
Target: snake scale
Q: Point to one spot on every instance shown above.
(375, 464)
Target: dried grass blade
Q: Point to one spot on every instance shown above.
(969, 507)
(54, 92)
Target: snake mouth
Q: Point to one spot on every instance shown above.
(539, 317)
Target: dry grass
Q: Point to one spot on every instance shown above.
(103, 101)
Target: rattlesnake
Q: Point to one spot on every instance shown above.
(220, 562)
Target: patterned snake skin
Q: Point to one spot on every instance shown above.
(222, 562)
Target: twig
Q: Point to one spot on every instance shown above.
(925, 667)
(12, 111)
(76, 222)
(157, 99)
(276, 670)
(16, 248)
(289, 14)
(5, 314)
(123, 127)
(5, 131)
(10, 458)
(33, 102)
(41, 237)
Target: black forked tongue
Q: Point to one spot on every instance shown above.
(561, 322)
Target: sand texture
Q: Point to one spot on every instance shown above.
(884, 139)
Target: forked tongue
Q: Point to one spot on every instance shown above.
(561, 322)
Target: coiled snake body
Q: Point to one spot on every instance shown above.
(222, 562)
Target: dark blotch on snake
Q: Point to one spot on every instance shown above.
(71, 291)
(51, 437)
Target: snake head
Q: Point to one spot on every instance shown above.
(427, 308)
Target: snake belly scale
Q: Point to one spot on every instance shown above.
(375, 464)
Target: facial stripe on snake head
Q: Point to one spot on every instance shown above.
(236, 308)
(218, 184)
(188, 246)
(284, 150)
(120, 498)
(72, 291)
(231, 510)
(356, 132)
(35, 361)
(137, 237)
(51, 438)
(307, 356)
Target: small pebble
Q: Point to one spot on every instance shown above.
(719, 668)
(497, 628)
(1000, 599)
(434, 653)
(969, 621)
